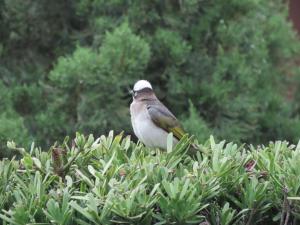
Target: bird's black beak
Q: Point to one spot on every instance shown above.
(132, 93)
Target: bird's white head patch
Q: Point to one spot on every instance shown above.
(141, 84)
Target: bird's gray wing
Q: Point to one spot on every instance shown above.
(164, 119)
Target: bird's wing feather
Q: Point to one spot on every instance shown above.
(164, 119)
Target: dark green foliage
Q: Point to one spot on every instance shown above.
(112, 180)
(201, 131)
(11, 128)
(223, 67)
(90, 85)
(11, 124)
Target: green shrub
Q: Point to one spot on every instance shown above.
(111, 180)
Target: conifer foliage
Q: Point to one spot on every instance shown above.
(223, 67)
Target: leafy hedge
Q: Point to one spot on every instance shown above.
(112, 180)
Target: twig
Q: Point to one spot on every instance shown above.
(288, 210)
(282, 214)
(285, 214)
(295, 221)
(251, 216)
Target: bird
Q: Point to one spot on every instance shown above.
(151, 120)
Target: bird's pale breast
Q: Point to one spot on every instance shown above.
(145, 129)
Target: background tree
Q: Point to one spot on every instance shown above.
(223, 67)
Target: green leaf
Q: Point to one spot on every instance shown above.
(170, 142)
(294, 198)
